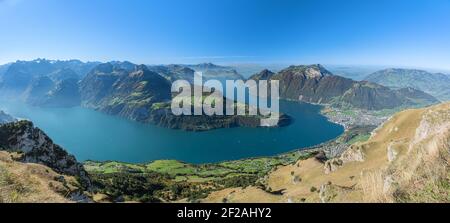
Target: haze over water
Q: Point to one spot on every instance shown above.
(92, 135)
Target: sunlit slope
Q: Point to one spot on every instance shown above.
(405, 160)
(29, 182)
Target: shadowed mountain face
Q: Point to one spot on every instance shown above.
(20, 75)
(118, 88)
(114, 90)
(174, 72)
(209, 71)
(124, 88)
(144, 95)
(263, 75)
(37, 91)
(212, 71)
(3, 69)
(44, 82)
(435, 84)
(65, 94)
(315, 84)
(63, 74)
(5, 118)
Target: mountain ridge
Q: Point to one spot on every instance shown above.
(436, 84)
(315, 84)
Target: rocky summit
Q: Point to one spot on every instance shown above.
(315, 84)
(34, 146)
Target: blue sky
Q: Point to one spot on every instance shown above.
(372, 32)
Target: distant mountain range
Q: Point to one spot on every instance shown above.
(3, 69)
(354, 72)
(142, 93)
(43, 74)
(5, 118)
(45, 82)
(137, 92)
(436, 84)
(315, 84)
(187, 72)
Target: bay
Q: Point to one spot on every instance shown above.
(92, 135)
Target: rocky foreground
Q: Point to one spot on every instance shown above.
(51, 169)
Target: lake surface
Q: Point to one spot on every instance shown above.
(93, 135)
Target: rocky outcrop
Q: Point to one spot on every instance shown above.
(36, 147)
(352, 154)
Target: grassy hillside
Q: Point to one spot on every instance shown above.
(27, 182)
(405, 160)
(171, 180)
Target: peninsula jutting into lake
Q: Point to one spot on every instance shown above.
(199, 101)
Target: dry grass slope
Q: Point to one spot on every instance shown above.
(31, 183)
(405, 160)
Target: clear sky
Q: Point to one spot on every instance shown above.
(366, 32)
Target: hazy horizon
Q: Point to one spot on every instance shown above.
(363, 33)
(271, 66)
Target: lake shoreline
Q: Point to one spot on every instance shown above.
(106, 137)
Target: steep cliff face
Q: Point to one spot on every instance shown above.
(37, 91)
(63, 74)
(310, 84)
(35, 146)
(66, 93)
(129, 94)
(315, 84)
(135, 93)
(98, 84)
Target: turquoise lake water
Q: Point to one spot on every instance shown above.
(92, 135)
